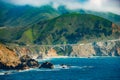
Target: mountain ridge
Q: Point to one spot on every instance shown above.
(68, 27)
(17, 16)
(31, 25)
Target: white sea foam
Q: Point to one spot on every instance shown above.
(67, 57)
(78, 67)
(5, 72)
(56, 68)
(61, 67)
(2, 73)
(82, 67)
(43, 69)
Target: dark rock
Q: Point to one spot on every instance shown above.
(32, 63)
(6, 73)
(27, 62)
(47, 65)
(6, 67)
(25, 58)
(65, 66)
(40, 57)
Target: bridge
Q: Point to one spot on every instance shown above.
(65, 48)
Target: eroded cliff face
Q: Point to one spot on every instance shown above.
(82, 50)
(36, 52)
(106, 48)
(52, 53)
(8, 58)
(21, 51)
(33, 51)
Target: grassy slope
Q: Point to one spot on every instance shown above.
(107, 15)
(19, 16)
(28, 36)
(70, 28)
(30, 15)
(110, 16)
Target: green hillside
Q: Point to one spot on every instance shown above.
(46, 25)
(24, 16)
(107, 15)
(68, 29)
(8, 34)
(110, 16)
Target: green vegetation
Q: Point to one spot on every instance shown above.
(71, 28)
(115, 18)
(65, 29)
(24, 16)
(27, 36)
(45, 25)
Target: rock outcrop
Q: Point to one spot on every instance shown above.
(47, 65)
(27, 62)
(65, 66)
(21, 51)
(82, 50)
(107, 48)
(8, 58)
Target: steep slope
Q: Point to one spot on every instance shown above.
(9, 34)
(8, 58)
(107, 48)
(107, 15)
(68, 29)
(4, 8)
(101, 48)
(110, 16)
(14, 20)
(14, 16)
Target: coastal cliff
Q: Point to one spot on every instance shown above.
(8, 58)
(21, 57)
(108, 48)
(103, 48)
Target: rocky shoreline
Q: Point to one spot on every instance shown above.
(101, 48)
(9, 60)
(17, 58)
(26, 62)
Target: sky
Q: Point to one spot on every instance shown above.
(94, 5)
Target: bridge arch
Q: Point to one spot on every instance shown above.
(60, 50)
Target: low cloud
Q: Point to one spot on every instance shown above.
(94, 5)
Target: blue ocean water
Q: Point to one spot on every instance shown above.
(96, 68)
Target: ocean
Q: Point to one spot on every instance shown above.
(94, 68)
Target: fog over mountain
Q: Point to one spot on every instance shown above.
(94, 5)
